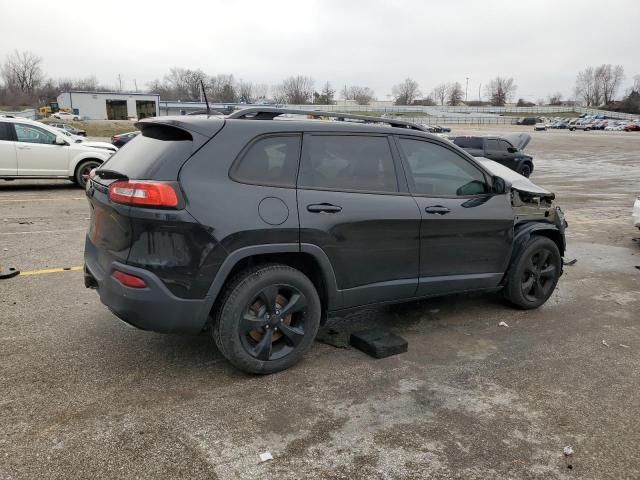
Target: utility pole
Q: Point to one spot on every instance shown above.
(466, 90)
(135, 83)
(479, 92)
(120, 81)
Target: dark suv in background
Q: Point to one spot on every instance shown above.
(507, 150)
(255, 226)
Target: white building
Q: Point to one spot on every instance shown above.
(110, 105)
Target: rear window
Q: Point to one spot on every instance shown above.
(468, 142)
(271, 160)
(143, 157)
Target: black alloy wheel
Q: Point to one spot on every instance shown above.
(273, 324)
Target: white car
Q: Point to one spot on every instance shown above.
(88, 143)
(540, 126)
(635, 215)
(29, 149)
(65, 116)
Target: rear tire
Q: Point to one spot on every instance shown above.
(82, 172)
(534, 274)
(267, 318)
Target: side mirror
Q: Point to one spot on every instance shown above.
(499, 185)
(60, 140)
(512, 149)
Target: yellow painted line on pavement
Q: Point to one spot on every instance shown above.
(52, 270)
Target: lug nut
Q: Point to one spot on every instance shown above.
(267, 327)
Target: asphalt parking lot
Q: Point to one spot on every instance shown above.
(83, 395)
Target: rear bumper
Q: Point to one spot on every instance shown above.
(152, 308)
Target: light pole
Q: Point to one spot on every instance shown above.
(466, 90)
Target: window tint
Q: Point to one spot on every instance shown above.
(468, 142)
(349, 162)
(270, 161)
(5, 131)
(31, 134)
(493, 144)
(436, 170)
(504, 146)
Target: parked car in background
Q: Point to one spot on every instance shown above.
(585, 125)
(528, 120)
(66, 116)
(632, 127)
(88, 143)
(256, 229)
(122, 138)
(506, 150)
(30, 149)
(540, 126)
(69, 128)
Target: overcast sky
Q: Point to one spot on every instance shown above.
(542, 43)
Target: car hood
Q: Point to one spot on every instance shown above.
(518, 140)
(99, 145)
(517, 181)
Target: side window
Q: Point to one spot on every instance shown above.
(493, 145)
(348, 162)
(5, 131)
(504, 146)
(270, 161)
(438, 171)
(30, 134)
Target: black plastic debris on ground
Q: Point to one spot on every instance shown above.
(378, 343)
(9, 272)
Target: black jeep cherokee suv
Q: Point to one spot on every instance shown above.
(256, 226)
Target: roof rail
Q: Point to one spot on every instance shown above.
(269, 113)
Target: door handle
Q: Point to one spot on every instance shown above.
(323, 208)
(21, 147)
(437, 209)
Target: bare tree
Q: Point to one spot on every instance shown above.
(222, 88)
(246, 91)
(439, 93)
(586, 87)
(22, 71)
(455, 94)
(361, 95)
(500, 90)
(406, 92)
(636, 83)
(554, 99)
(609, 77)
(296, 90)
(597, 86)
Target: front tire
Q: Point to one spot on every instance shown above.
(83, 170)
(534, 274)
(525, 170)
(267, 318)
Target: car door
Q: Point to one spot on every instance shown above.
(466, 232)
(8, 161)
(38, 154)
(494, 151)
(354, 207)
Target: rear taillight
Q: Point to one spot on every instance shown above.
(144, 193)
(128, 280)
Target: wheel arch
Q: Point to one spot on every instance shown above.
(309, 259)
(524, 232)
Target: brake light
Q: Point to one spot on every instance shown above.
(143, 192)
(128, 280)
